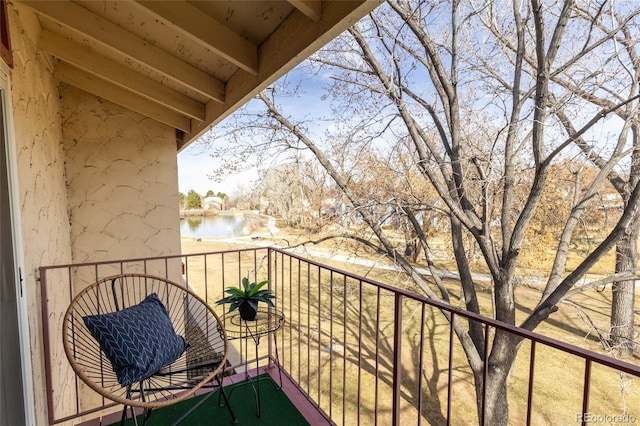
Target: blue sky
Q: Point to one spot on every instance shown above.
(194, 166)
(195, 163)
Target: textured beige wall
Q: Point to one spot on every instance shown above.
(41, 182)
(122, 186)
(95, 182)
(122, 181)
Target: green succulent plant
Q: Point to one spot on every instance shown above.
(251, 293)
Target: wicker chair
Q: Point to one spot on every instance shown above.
(133, 364)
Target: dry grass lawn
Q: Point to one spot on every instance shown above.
(341, 384)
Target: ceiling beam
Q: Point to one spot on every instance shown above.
(311, 8)
(120, 96)
(103, 67)
(283, 51)
(206, 31)
(111, 35)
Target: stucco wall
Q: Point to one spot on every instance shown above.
(122, 187)
(122, 181)
(95, 182)
(41, 182)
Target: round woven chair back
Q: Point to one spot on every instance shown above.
(191, 317)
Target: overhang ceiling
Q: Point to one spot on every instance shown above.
(187, 64)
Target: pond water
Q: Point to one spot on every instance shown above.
(213, 226)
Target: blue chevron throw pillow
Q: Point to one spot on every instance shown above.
(138, 340)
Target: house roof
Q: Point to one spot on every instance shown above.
(187, 64)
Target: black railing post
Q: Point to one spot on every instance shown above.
(44, 310)
(397, 358)
(270, 286)
(586, 389)
(532, 364)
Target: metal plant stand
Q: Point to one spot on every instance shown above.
(267, 323)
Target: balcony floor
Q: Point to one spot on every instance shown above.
(278, 407)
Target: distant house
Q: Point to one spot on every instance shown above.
(611, 201)
(214, 203)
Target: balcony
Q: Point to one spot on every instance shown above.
(278, 407)
(356, 351)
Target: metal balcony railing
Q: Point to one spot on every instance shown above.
(361, 351)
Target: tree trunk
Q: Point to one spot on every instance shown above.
(411, 251)
(495, 411)
(621, 327)
(466, 280)
(621, 331)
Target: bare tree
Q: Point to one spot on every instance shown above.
(613, 78)
(488, 97)
(295, 191)
(611, 92)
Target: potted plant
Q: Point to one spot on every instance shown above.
(246, 299)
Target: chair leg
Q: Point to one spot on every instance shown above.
(147, 411)
(226, 399)
(147, 414)
(134, 418)
(124, 410)
(124, 415)
(204, 399)
(123, 419)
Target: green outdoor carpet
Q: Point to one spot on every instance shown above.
(276, 409)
